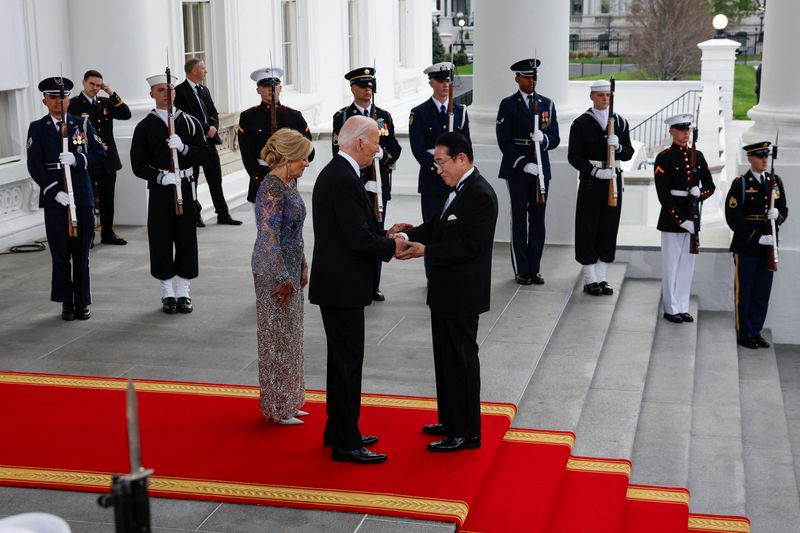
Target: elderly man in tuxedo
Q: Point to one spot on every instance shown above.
(346, 244)
(457, 241)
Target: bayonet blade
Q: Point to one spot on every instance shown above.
(132, 412)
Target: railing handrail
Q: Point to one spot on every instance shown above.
(652, 131)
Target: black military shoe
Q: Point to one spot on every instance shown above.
(199, 223)
(82, 313)
(606, 289)
(67, 312)
(674, 318)
(687, 317)
(228, 220)
(593, 289)
(435, 429)
(112, 238)
(748, 343)
(523, 280)
(359, 456)
(454, 444)
(378, 296)
(537, 279)
(169, 305)
(761, 341)
(184, 305)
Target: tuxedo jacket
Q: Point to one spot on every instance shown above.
(186, 100)
(458, 245)
(101, 115)
(346, 239)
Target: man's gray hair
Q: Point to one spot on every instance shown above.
(356, 127)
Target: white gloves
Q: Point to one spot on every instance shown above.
(67, 158)
(766, 240)
(379, 154)
(175, 143)
(62, 198)
(695, 191)
(772, 214)
(371, 186)
(531, 168)
(688, 225)
(169, 178)
(613, 140)
(605, 173)
(537, 136)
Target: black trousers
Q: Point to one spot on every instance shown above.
(172, 238)
(753, 285)
(344, 333)
(596, 224)
(458, 375)
(527, 226)
(104, 186)
(213, 173)
(70, 279)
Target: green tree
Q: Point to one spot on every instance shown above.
(735, 10)
(438, 47)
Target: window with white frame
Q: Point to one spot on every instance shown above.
(10, 149)
(402, 16)
(352, 32)
(196, 30)
(289, 40)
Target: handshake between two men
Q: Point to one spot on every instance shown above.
(404, 248)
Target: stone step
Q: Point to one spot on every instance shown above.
(607, 425)
(716, 461)
(773, 503)
(555, 395)
(788, 357)
(661, 449)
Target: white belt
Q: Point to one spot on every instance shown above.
(678, 192)
(602, 164)
(262, 162)
(185, 173)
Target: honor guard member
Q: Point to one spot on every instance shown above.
(516, 135)
(101, 111)
(255, 126)
(363, 86)
(596, 223)
(173, 237)
(46, 161)
(748, 214)
(675, 184)
(426, 122)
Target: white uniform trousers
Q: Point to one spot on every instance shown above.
(677, 270)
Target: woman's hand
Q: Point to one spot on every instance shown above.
(282, 293)
(304, 277)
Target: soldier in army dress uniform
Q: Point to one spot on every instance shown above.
(748, 214)
(255, 126)
(70, 283)
(363, 86)
(675, 182)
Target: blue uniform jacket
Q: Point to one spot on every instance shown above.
(44, 145)
(515, 123)
(424, 126)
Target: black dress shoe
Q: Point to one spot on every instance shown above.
(228, 220)
(687, 317)
(359, 456)
(184, 305)
(366, 440)
(82, 313)
(112, 238)
(454, 444)
(67, 312)
(523, 280)
(673, 318)
(378, 296)
(593, 289)
(199, 223)
(169, 305)
(537, 279)
(434, 429)
(761, 341)
(605, 288)
(748, 343)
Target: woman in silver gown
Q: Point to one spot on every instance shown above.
(280, 273)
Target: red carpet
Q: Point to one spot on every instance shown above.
(210, 442)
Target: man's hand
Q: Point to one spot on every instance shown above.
(107, 88)
(282, 293)
(411, 250)
(304, 277)
(211, 132)
(168, 178)
(67, 158)
(613, 140)
(605, 173)
(62, 198)
(688, 225)
(175, 143)
(537, 136)
(371, 186)
(399, 227)
(766, 240)
(531, 168)
(772, 213)
(695, 191)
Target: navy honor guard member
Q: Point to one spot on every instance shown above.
(676, 182)
(172, 237)
(363, 86)
(426, 122)
(46, 161)
(596, 222)
(748, 214)
(256, 126)
(516, 135)
(101, 111)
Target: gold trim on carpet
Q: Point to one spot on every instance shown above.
(245, 491)
(655, 494)
(599, 466)
(727, 525)
(537, 437)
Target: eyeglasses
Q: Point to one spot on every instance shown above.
(439, 164)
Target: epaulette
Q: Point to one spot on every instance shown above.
(249, 109)
(342, 110)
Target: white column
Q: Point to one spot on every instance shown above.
(505, 32)
(717, 62)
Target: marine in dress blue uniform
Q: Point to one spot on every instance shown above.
(70, 279)
(516, 134)
(748, 214)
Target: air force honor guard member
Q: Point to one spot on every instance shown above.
(173, 237)
(363, 86)
(675, 183)
(516, 135)
(255, 125)
(70, 280)
(748, 214)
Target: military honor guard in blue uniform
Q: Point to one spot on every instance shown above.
(363, 86)
(597, 222)
(256, 126)
(47, 164)
(172, 236)
(749, 215)
(676, 183)
(517, 135)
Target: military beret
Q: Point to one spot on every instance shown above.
(362, 76)
(759, 149)
(54, 85)
(158, 79)
(526, 67)
(266, 76)
(682, 121)
(440, 71)
(600, 86)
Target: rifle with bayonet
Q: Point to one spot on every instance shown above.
(613, 193)
(450, 113)
(273, 109)
(72, 213)
(694, 203)
(174, 166)
(128, 494)
(772, 255)
(541, 189)
(376, 162)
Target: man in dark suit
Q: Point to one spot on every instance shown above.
(195, 99)
(346, 244)
(458, 244)
(101, 112)
(362, 85)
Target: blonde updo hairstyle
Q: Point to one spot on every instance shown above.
(286, 145)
